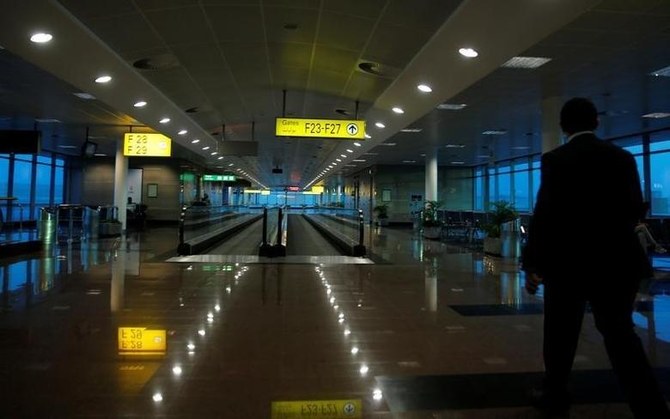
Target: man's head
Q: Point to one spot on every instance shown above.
(578, 114)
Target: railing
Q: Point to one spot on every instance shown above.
(344, 226)
(200, 226)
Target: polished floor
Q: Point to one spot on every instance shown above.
(420, 329)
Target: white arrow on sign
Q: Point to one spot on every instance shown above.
(352, 129)
(349, 409)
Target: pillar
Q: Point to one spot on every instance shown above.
(431, 175)
(120, 187)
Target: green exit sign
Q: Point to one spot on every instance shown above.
(218, 178)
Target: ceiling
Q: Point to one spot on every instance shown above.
(225, 69)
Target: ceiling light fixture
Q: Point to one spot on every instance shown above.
(220, 157)
(468, 52)
(84, 95)
(41, 37)
(451, 106)
(140, 104)
(214, 153)
(164, 120)
(343, 156)
(350, 150)
(424, 88)
(526, 62)
(103, 79)
(398, 110)
(656, 115)
(206, 148)
(454, 146)
(358, 144)
(411, 130)
(380, 125)
(196, 141)
(183, 132)
(495, 132)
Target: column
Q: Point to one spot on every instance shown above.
(120, 187)
(431, 175)
(552, 135)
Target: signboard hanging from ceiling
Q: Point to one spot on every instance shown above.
(320, 128)
(219, 178)
(146, 145)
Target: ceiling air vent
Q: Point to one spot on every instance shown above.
(194, 109)
(378, 70)
(158, 62)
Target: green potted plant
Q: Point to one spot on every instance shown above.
(432, 226)
(381, 212)
(500, 212)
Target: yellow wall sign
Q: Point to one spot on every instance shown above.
(320, 128)
(143, 145)
(141, 341)
(331, 409)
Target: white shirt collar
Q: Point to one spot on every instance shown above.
(577, 134)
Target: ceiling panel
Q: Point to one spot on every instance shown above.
(276, 18)
(181, 26)
(236, 23)
(353, 38)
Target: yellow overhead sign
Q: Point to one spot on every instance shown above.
(320, 128)
(141, 341)
(154, 145)
(331, 409)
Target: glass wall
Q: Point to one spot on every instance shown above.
(517, 181)
(34, 180)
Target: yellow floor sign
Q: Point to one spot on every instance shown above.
(317, 409)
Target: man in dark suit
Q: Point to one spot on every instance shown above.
(589, 185)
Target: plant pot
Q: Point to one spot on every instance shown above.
(493, 246)
(432, 232)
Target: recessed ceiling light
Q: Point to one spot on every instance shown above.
(398, 110)
(231, 165)
(411, 130)
(103, 79)
(339, 160)
(220, 157)
(380, 125)
(164, 120)
(41, 37)
(495, 132)
(388, 144)
(343, 156)
(196, 141)
(367, 136)
(214, 153)
(484, 156)
(457, 162)
(334, 164)
(409, 161)
(424, 88)
(526, 62)
(47, 120)
(183, 132)
(100, 155)
(140, 104)
(451, 106)
(523, 147)
(370, 154)
(358, 144)
(455, 146)
(350, 150)
(67, 146)
(468, 52)
(656, 115)
(359, 160)
(206, 148)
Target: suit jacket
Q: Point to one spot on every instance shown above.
(586, 210)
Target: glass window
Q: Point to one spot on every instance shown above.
(657, 144)
(660, 183)
(479, 193)
(492, 192)
(59, 162)
(505, 187)
(22, 181)
(42, 185)
(59, 180)
(535, 184)
(43, 159)
(521, 191)
(25, 157)
(4, 176)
